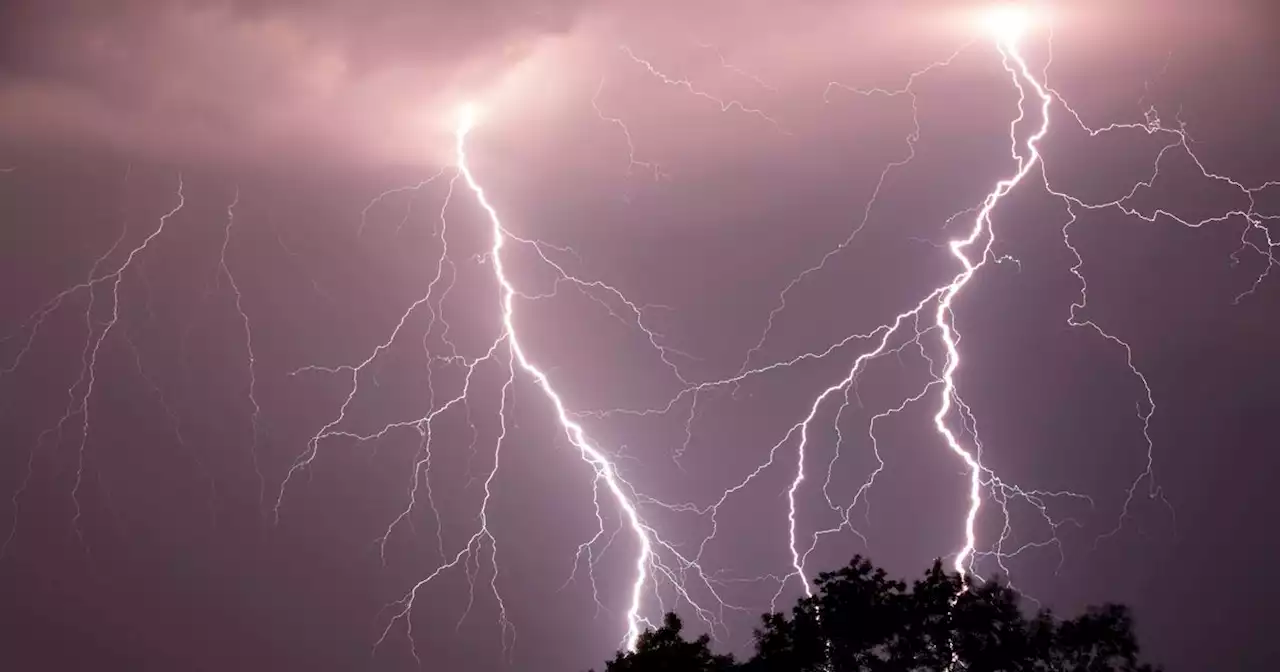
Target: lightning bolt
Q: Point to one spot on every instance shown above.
(656, 559)
(574, 432)
(939, 302)
(973, 252)
(922, 333)
(604, 469)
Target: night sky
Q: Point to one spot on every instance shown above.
(244, 286)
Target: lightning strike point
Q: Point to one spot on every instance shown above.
(1009, 21)
(468, 116)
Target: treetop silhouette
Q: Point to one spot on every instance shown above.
(859, 620)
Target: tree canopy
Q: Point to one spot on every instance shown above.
(859, 620)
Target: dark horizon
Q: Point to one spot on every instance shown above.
(664, 176)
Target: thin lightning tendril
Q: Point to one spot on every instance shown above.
(80, 393)
(256, 417)
(687, 85)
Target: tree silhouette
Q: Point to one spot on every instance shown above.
(859, 620)
(665, 649)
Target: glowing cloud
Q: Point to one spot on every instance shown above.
(1009, 21)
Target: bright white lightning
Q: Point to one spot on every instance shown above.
(604, 468)
(941, 300)
(1009, 50)
(973, 251)
(652, 571)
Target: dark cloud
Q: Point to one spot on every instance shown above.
(378, 80)
(212, 76)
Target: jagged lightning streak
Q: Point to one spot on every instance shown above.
(646, 564)
(1007, 27)
(1008, 44)
(941, 300)
(574, 432)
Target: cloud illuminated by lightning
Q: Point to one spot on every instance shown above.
(1009, 21)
